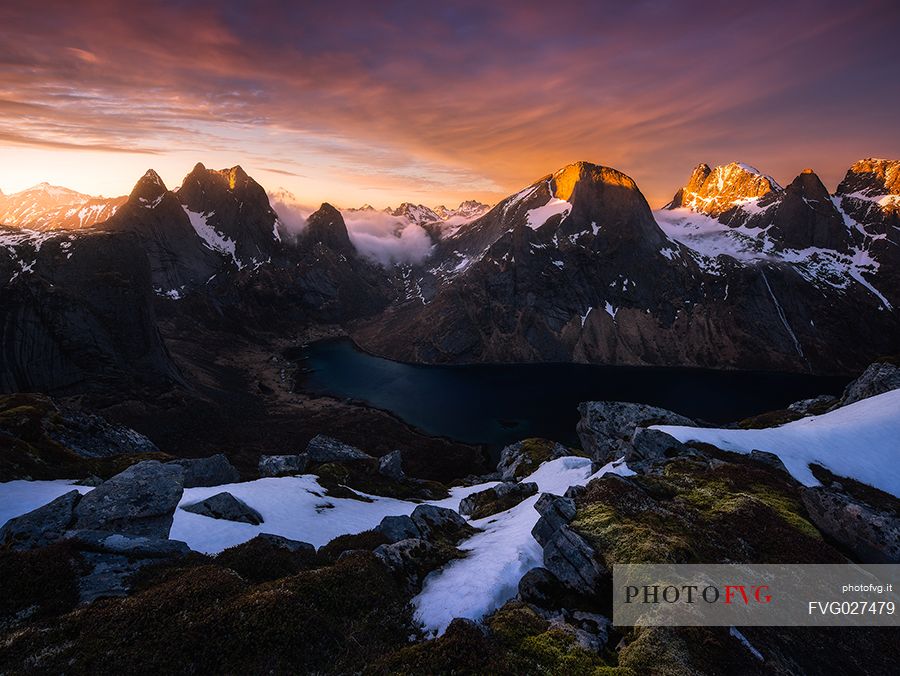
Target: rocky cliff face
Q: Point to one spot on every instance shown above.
(575, 268)
(76, 311)
(235, 212)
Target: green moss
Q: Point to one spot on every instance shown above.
(652, 538)
(258, 560)
(667, 517)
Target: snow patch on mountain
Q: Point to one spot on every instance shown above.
(535, 218)
(860, 441)
(213, 239)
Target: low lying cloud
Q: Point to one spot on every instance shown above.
(386, 239)
(380, 237)
(291, 214)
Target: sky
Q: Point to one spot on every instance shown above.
(384, 102)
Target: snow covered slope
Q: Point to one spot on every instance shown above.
(860, 441)
(293, 507)
(501, 554)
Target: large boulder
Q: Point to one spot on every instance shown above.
(520, 459)
(41, 526)
(139, 501)
(606, 427)
(555, 513)
(396, 528)
(815, 406)
(878, 378)
(870, 534)
(225, 506)
(294, 546)
(391, 466)
(540, 587)
(649, 446)
(282, 465)
(326, 449)
(411, 560)
(496, 499)
(574, 562)
(212, 471)
(433, 521)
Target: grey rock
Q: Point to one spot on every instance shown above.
(391, 466)
(139, 501)
(607, 427)
(769, 459)
(574, 563)
(41, 526)
(212, 471)
(225, 506)
(281, 465)
(878, 378)
(410, 559)
(575, 491)
(555, 513)
(295, 546)
(814, 406)
(496, 499)
(518, 460)
(127, 545)
(109, 575)
(650, 446)
(432, 520)
(591, 630)
(872, 535)
(541, 588)
(326, 449)
(93, 481)
(396, 528)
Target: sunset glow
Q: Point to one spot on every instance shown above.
(384, 102)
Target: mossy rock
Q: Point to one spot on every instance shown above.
(754, 509)
(364, 477)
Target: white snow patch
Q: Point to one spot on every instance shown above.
(749, 646)
(860, 441)
(585, 315)
(501, 554)
(535, 218)
(20, 497)
(610, 310)
(212, 237)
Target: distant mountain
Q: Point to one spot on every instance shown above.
(439, 222)
(49, 207)
(737, 272)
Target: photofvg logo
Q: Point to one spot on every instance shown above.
(756, 595)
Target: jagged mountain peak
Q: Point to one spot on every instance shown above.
(149, 188)
(810, 186)
(871, 177)
(715, 191)
(326, 225)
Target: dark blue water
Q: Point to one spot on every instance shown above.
(496, 404)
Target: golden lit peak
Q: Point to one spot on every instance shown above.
(565, 180)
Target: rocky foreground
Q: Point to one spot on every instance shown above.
(335, 561)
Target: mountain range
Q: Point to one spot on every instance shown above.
(736, 272)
